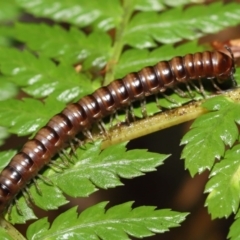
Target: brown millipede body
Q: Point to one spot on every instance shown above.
(79, 117)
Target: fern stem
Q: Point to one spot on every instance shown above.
(154, 123)
(161, 121)
(12, 231)
(118, 43)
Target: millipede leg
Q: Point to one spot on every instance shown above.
(18, 207)
(73, 149)
(56, 167)
(111, 120)
(216, 86)
(179, 92)
(102, 128)
(88, 134)
(28, 195)
(117, 117)
(79, 142)
(131, 112)
(202, 88)
(45, 180)
(67, 156)
(63, 158)
(112, 117)
(199, 90)
(9, 211)
(127, 116)
(195, 87)
(191, 94)
(171, 100)
(37, 186)
(156, 100)
(143, 108)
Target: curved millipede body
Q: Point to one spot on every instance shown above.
(79, 116)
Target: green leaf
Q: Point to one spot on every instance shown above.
(116, 223)
(177, 24)
(41, 77)
(90, 171)
(8, 10)
(98, 45)
(205, 141)
(5, 157)
(224, 185)
(234, 232)
(3, 135)
(5, 36)
(93, 171)
(180, 2)
(38, 228)
(51, 198)
(29, 115)
(7, 89)
(27, 212)
(159, 5)
(52, 41)
(103, 16)
(69, 47)
(149, 5)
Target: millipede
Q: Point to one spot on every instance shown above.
(78, 117)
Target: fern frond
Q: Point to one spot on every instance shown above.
(70, 47)
(234, 233)
(29, 115)
(224, 186)
(102, 16)
(119, 221)
(9, 11)
(5, 156)
(40, 77)
(159, 5)
(205, 141)
(177, 24)
(90, 171)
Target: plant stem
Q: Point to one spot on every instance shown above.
(118, 43)
(161, 121)
(11, 230)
